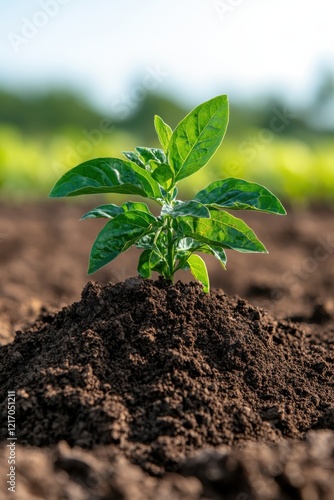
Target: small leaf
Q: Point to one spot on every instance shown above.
(103, 211)
(184, 208)
(106, 175)
(238, 194)
(162, 173)
(216, 251)
(159, 154)
(111, 211)
(149, 154)
(197, 137)
(134, 157)
(146, 154)
(117, 236)
(144, 268)
(151, 260)
(199, 271)
(146, 241)
(136, 205)
(163, 131)
(189, 245)
(222, 230)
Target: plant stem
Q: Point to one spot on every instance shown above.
(170, 249)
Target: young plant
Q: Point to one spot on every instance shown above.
(172, 240)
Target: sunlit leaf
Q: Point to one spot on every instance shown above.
(163, 131)
(199, 271)
(197, 137)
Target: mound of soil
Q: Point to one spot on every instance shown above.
(179, 371)
(160, 372)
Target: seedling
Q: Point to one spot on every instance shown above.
(172, 240)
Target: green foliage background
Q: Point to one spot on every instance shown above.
(43, 136)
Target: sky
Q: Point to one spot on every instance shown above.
(192, 49)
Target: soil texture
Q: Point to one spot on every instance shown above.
(161, 372)
(143, 390)
(44, 251)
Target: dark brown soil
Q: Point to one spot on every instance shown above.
(286, 470)
(44, 256)
(142, 377)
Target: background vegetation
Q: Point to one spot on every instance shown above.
(42, 136)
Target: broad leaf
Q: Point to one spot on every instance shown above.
(117, 236)
(106, 175)
(197, 137)
(199, 271)
(222, 230)
(238, 194)
(163, 131)
(184, 208)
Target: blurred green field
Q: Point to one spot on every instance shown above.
(292, 169)
(35, 150)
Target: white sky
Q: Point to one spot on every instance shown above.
(201, 47)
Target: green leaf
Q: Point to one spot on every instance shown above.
(162, 173)
(222, 230)
(136, 205)
(197, 137)
(184, 208)
(216, 251)
(189, 245)
(106, 175)
(149, 154)
(151, 260)
(238, 194)
(144, 268)
(110, 211)
(159, 154)
(163, 131)
(117, 236)
(199, 271)
(146, 154)
(103, 211)
(135, 157)
(146, 242)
